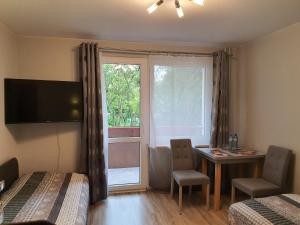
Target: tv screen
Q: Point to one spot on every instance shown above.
(37, 101)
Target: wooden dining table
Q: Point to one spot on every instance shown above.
(224, 157)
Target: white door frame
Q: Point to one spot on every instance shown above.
(144, 124)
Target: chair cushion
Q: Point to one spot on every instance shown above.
(190, 177)
(256, 187)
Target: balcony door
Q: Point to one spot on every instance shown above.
(127, 99)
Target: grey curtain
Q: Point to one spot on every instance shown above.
(220, 113)
(220, 105)
(92, 158)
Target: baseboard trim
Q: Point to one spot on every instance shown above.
(117, 192)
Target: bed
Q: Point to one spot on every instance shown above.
(58, 198)
(282, 209)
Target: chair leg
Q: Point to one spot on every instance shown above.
(232, 194)
(180, 199)
(190, 191)
(207, 196)
(172, 186)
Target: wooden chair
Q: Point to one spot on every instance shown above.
(183, 171)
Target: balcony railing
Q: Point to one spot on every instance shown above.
(124, 155)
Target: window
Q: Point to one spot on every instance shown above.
(181, 90)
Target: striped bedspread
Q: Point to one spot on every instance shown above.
(281, 209)
(60, 198)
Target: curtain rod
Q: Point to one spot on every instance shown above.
(147, 52)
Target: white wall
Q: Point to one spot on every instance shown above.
(54, 146)
(270, 77)
(8, 68)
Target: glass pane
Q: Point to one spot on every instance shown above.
(180, 100)
(124, 163)
(123, 99)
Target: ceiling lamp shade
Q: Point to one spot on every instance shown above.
(154, 6)
(199, 2)
(179, 10)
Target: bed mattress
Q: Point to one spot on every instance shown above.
(60, 198)
(281, 209)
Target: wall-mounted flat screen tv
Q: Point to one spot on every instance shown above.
(41, 101)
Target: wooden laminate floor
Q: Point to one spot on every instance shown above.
(154, 208)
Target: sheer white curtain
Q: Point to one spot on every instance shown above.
(180, 99)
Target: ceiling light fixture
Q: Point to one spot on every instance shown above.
(179, 10)
(199, 2)
(154, 7)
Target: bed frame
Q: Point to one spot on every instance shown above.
(9, 172)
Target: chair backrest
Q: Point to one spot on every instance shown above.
(182, 154)
(276, 165)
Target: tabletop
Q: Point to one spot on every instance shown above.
(227, 157)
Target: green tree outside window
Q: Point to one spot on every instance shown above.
(122, 94)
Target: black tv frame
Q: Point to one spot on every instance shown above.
(6, 99)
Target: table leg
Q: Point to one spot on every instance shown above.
(217, 194)
(204, 166)
(204, 171)
(258, 167)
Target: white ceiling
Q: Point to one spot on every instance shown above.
(218, 21)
